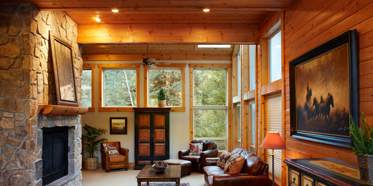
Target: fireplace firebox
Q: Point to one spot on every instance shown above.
(55, 154)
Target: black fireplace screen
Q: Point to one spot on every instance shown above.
(55, 154)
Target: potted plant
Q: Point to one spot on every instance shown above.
(162, 99)
(91, 143)
(362, 138)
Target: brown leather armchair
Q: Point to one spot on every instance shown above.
(116, 161)
(254, 172)
(209, 150)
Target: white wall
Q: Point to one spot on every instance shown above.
(179, 121)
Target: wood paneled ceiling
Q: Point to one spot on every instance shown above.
(162, 11)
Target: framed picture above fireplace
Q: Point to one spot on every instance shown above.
(324, 91)
(64, 73)
(118, 125)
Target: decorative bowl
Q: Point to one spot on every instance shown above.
(160, 167)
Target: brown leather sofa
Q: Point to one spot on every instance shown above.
(116, 161)
(209, 150)
(253, 173)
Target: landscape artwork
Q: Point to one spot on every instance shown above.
(118, 125)
(322, 93)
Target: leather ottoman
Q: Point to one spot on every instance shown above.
(186, 166)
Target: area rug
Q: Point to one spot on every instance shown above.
(164, 184)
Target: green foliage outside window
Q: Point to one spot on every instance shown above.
(210, 90)
(87, 88)
(120, 88)
(169, 81)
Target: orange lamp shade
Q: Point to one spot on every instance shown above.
(273, 141)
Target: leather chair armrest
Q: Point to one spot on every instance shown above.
(240, 179)
(105, 159)
(183, 153)
(124, 151)
(211, 161)
(209, 153)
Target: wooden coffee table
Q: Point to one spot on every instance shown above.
(148, 174)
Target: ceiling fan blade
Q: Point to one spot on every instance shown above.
(151, 60)
(153, 66)
(163, 63)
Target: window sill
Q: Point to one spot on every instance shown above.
(115, 109)
(177, 109)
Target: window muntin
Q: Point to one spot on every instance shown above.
(275, 57)
(86, 87)
(252, 56)
(210, 106)
(170, 79)
(119, 88)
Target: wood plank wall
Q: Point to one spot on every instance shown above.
(309, 24)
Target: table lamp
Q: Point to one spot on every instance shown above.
(273, 141)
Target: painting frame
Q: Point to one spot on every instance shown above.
(58, 66)
(118, 131)
(349, 38)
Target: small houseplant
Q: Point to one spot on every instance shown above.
(162, 98)
(362, 138)
(92, 143)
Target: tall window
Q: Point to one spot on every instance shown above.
(119, 87)
(275, 57)
(252, 127)
(87, 86)
(252, 55)
(210, 105)
(239, 72)
(239, 125)
(171, 79)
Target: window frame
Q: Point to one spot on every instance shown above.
(227, 107)
(101, 68)
(171, 66)
(91, 66)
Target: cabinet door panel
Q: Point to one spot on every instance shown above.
(159, 121)
(144, 149)
(159, 135)
(144, 121)
(144, 135)
(307, 181)
(159, 149)
(294, 177)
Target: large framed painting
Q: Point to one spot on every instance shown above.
(64, 74)
(118, 125)
(324, 91)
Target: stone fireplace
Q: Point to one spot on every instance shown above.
(27, 81)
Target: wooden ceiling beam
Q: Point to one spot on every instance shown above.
(163, 9)
(169, 33)
(139, 57)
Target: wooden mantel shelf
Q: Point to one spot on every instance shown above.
(62, 110)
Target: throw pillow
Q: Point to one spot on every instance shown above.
(234, 164)
(195, 148)
(223, 158)
(112, 148)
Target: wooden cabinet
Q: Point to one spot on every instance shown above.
(322, 172)
(151, 135)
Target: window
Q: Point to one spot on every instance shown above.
(239, 72)
(239, 125)
(252, 127)
(87, 86)
(275, 57)
(119, 87)
(172, 79)
(210, 105)
(252, 61)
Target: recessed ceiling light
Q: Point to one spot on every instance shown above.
(206, 10)
(115, 10)
(214, 46)
(97, 19)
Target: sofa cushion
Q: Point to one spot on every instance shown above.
(223, 158)
(234, 164)
(192, 158)
(117, 158)
(195, 148)
(254, 165)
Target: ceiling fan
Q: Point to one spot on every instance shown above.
(150, 61)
